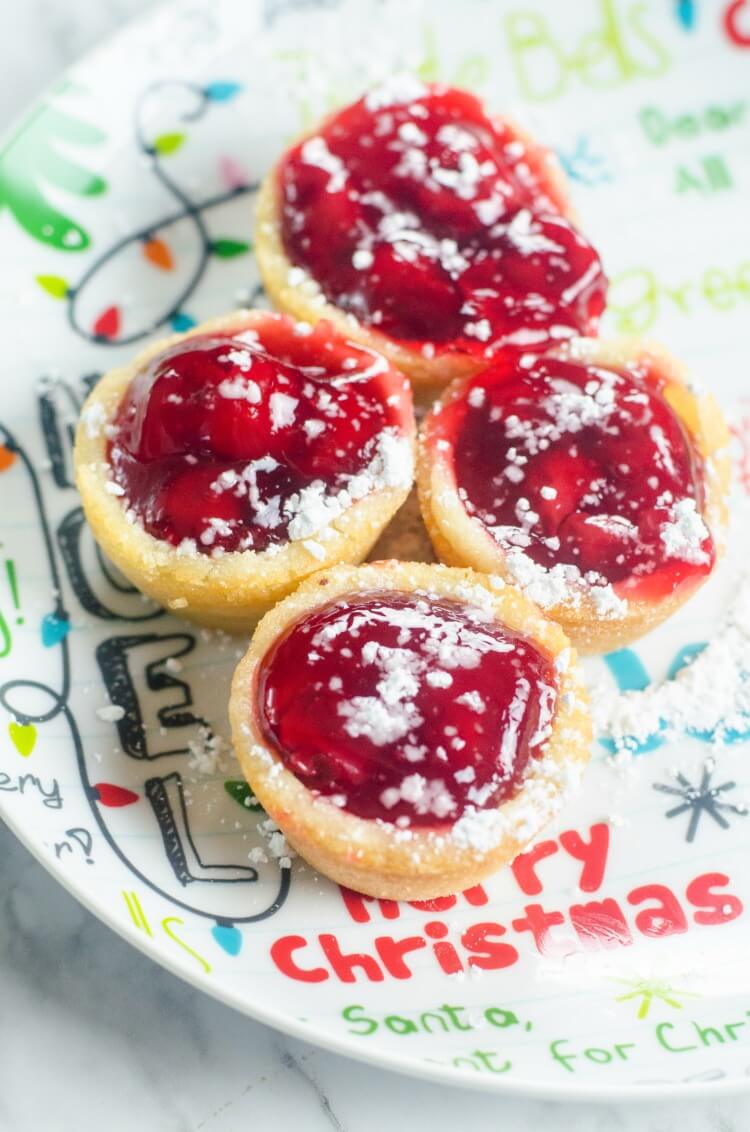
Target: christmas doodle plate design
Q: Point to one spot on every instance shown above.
(611, 960)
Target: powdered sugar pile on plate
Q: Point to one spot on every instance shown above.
(710, 696)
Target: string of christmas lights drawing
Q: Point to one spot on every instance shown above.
(134, 665)
(107, 326)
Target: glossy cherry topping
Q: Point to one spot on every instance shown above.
(437, 225)
(576, 464)
(404, 707)
(244, 441)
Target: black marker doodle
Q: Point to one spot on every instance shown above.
(106, 329)
(59, 406)
(118, 657)
(97, 584)
(131, 664)
(87, 568)
(31, 701)
(167, 798)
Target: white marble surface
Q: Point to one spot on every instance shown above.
(93, 1034)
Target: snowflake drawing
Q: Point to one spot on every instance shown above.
(649, 991)
(701, 799)
(583, 165)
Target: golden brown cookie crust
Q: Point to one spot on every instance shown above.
(461, 540)
(366, 855)
(230, 592)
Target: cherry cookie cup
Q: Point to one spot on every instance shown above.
(224, 466)
(594, 477)
(428, 230)
(409, 727)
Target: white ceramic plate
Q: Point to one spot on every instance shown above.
(126, 201)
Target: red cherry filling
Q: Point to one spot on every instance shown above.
(577, 464)
(241, 441)
(434, 223)
(406, 708)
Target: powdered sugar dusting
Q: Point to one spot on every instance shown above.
(315, 508)
(685, 533)
(333, 435)
(395, 91)
(504, 266)
(600, 527)
(545, 789)
(563, 584)
(389, 714)
(711, 695)
(412, 709)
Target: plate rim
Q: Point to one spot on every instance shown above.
(440, 1074)
(406, 1066)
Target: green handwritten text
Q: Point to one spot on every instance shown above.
(618, 48)
(638, 297)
